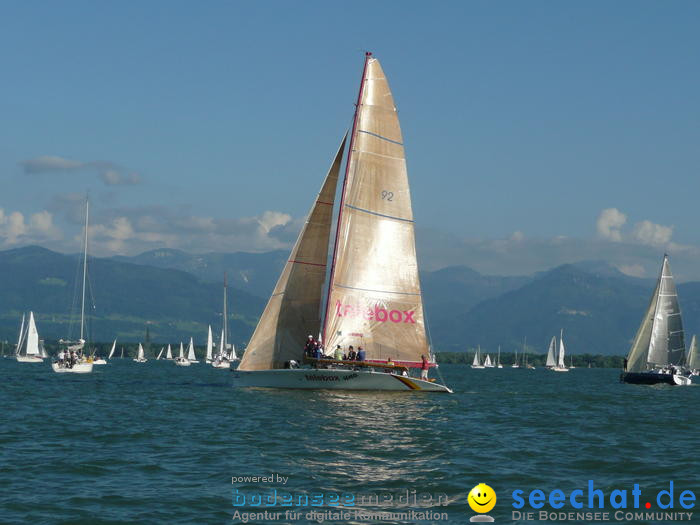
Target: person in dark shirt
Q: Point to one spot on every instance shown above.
(360, 353)
(309, 346)
(351, 353)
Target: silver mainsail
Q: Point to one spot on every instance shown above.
(659, 341)
(693, 362)
(375, 295)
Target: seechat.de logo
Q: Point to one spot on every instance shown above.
(481, 499)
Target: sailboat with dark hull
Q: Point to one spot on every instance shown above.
(373, 296)
(658, 350)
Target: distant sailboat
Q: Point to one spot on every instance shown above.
(223, 359)
(658, 349)
(28, 344)
(111, 352)
(373, 296)
(141, 357)
(80, 364)
(169, 353)
(122, 356)
(191, 357)
(498, 361)
(477, 359)
(551, 353)
(487, 362)
(693, 361)
(210, 347)
(160, 353)
(181, 360)
(515, 360)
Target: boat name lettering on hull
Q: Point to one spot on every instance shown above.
(314, 377)
(381, 315)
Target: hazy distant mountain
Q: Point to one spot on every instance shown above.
(598, 307)
(599, 312)
(255, 273)
(125, 296)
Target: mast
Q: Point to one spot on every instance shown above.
(368, 55)
(82, 305)
(225, 316)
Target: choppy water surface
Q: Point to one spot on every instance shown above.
(156, 443)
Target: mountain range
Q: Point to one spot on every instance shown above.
(177, 294)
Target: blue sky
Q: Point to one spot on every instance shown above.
(194, 123)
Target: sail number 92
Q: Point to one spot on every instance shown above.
(387, 195)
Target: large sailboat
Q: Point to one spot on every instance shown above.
(658, 349)
(476, 363)
(28, 349)
(75, 360)
(181, 360)
(555, 359)
(373, 295)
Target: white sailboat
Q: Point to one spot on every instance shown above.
(28, 345)
(373, 296)
(551, 353)
(191, 357)
(160, 353)
(561, 365)
(498, 360)
(210, 348)
(181, 360)
(169, 353)
(111, 352)
(658, 349)
(515, 360)
(693, 360)
(224, 358)
(477, 359)
(487, 362)
(141, 357)
(74, 361)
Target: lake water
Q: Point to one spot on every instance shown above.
(157, 443)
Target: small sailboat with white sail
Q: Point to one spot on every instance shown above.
(498, 359)
(191, 357)
(169, 353)
(209, 357)
(658, 350)
(160, 353)
(28, 350)
(373, 296)
(141, 356)
(555, 358)
(693, 361)
(111, 352)
(181, 360)
(71, 359)
(476, 363)
(488, 363)
(224, 358)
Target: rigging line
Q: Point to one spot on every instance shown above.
(377, 135)
(378, 214)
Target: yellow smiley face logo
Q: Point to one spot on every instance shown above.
(482, 498)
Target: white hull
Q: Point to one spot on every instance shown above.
(142, 360)
(478, 366)
(182, 362)
(222, 364)
(99, 362)
(193, 361)
(29, 359)
(313, 379)
(499, 366)
(78, 368)
(558, 369)
(682, 380)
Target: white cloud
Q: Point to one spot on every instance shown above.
(646, 232)
(517, 236)
(15, 229)
(609, 223)
(110, 173)
(633, 270)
